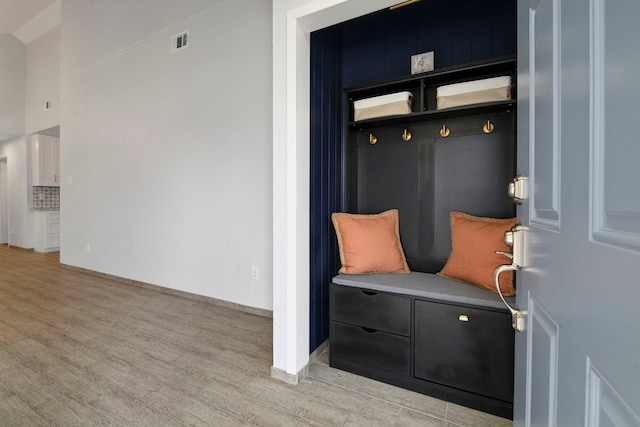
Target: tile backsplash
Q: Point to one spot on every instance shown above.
(46, 198)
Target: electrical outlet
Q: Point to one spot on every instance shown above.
(87, 246)
(255, 273)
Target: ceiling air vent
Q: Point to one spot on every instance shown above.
(180, 41)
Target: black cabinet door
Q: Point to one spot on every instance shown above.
(466, 348)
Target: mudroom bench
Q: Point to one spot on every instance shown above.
(425, 333)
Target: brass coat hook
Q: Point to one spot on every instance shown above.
(488, 127)
(406, 135)
(372, 139)
(445, 131)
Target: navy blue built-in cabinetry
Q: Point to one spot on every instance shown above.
(364, 51)
(413, 330)
(426, 333)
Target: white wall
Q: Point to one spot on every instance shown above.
(15, 153)
(43, 82)
(166, 158)
(12, 87)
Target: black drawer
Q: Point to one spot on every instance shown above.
(475, 355)
(374, 348)
(375, 310)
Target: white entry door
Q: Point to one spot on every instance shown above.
(578, 360)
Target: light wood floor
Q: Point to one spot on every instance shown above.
(80, 350)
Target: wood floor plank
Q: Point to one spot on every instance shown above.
(14, 412)
(393, 394)
(33, 393)
(57, 413)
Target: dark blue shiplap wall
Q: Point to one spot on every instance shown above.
(366, 50)
(326, 177)
(379, 46)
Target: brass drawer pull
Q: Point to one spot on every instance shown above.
(463, 318)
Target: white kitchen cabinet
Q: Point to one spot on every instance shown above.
(46, 228)
(45, 161)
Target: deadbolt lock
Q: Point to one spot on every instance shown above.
(519, 189)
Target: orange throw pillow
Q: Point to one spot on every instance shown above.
(370, 243)
(473, 258)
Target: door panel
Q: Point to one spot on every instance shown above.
(578, 100)
(542, 370)
(615, 161)
(605, 407)
(545, 141)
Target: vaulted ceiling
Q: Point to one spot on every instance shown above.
(15, 13)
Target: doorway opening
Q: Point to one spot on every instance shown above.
(45, 189)
(4, 203)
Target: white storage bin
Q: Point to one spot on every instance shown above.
(474, 92)
(393, 104)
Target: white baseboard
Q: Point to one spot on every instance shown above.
(288, 378)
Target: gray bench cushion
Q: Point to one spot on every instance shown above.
(425, 285)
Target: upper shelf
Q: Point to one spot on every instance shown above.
(423, 87)
(470, 110)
